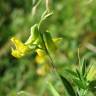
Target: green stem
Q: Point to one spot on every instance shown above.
(47, 52)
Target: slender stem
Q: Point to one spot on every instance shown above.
(52, 62)
(35, 8)
(78, 56)
(47, 5)
(46, 49)
(47, 52)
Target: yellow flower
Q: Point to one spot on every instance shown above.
(43, 70)
(20, 49)
(40, 52)
(42, 60)
(41, 56)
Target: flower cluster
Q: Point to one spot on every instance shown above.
(40, 42)
(35, 42)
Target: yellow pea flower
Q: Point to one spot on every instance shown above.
(42, 59)
(40, 52)
(20, 48)
(41, 56)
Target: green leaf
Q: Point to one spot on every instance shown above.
(50, 45)
(91, 72)
(53, 90)
(82, 80)
(34, 37)
(84, 67)
(92, 86)
(72, 72)
(68, 86)
(78, 73)
(79, 83)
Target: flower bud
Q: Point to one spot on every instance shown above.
(34, 36)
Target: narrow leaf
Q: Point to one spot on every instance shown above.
(92, 86)
(68, 86)
(72, 72)
(79, 75)
(53, 90)
(50, 45)
(78, 83)
(84, 67)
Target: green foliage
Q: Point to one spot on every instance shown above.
(53, 90)
(73, 21)
(80, 79)
(68, 86)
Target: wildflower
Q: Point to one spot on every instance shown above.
(42, 60)
(20, 48)
(41, 56)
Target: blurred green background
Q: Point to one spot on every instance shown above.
(73, 20)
